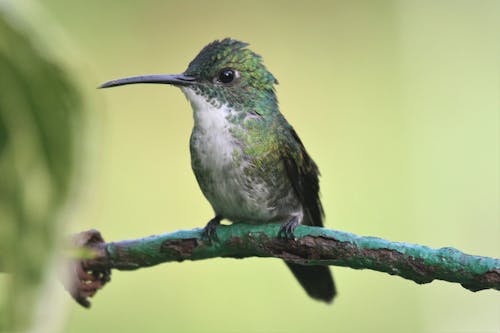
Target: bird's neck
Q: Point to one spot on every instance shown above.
(263, 103)
(210, 115)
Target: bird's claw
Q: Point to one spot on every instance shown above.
(287, 228)
(210, 231)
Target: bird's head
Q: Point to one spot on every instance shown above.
(224, 72)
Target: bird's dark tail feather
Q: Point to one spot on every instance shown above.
(316, 280)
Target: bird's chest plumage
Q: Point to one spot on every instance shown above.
(218, 161)
(213, 158)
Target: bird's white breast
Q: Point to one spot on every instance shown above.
(213, 140)
(213, 146)
(223, 180)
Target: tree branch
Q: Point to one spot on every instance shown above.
(313, 246)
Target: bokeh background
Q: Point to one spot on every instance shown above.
(397, 102)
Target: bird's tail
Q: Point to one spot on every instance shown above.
(316, 280)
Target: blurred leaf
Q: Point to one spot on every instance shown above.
(39, 120)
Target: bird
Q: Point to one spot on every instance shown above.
(248, 160)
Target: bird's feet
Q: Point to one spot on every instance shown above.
(287, 228)
(210, 230)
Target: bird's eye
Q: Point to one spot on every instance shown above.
(227, 75)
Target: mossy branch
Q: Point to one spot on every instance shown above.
(313, 246)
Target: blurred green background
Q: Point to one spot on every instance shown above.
(398, 103)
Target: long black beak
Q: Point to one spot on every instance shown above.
(175, 79)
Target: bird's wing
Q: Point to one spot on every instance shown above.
(303, 174)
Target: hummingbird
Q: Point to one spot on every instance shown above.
(248, 160)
